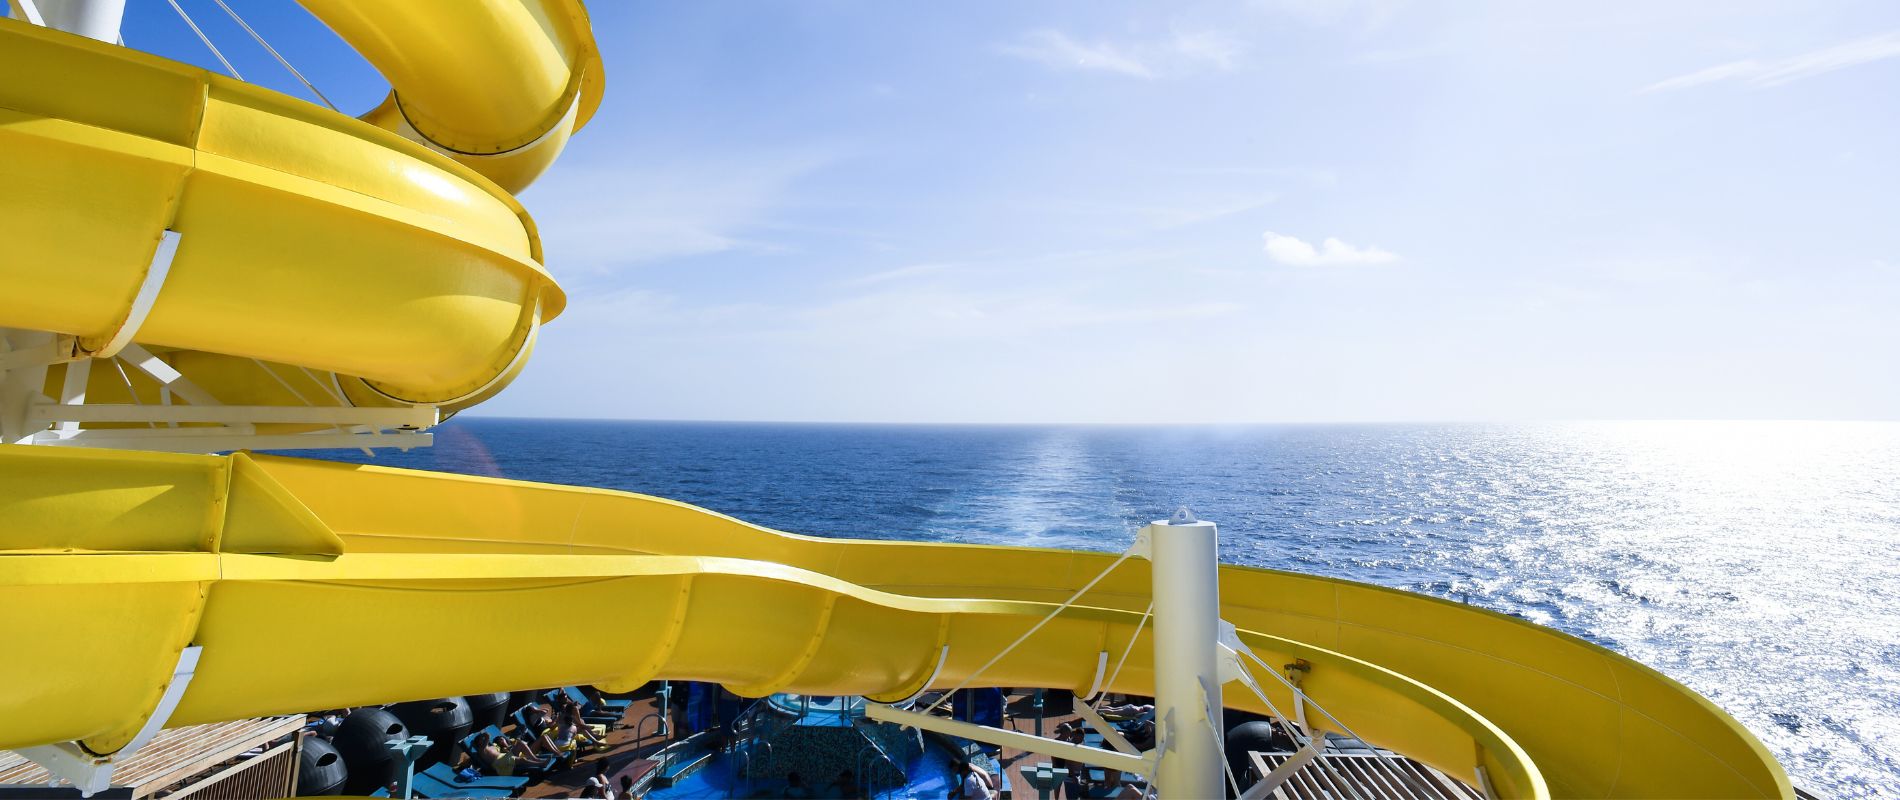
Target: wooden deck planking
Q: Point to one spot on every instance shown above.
(172, 755)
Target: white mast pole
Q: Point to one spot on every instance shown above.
(93, 19)
(1187, 679)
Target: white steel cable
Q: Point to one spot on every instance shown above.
(336, 426)
(1031, 632)
(203, 38)
(1145, 615)
(129, 388)
(274, 54)
(1207, 716)
(281, 382)
(335, 394)
(1378, 752)
(1280, 715)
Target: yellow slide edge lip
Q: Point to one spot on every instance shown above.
(1783, 784)
(73, 568)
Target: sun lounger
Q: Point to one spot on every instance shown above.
(426, 785)
(445, 774)
(596, 717)
(612, 705)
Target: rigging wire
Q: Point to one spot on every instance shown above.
(1031, 632)
(203, 38)
(119, 364)
(1378, 752)
(1208, 705)
(274, 54)
(1145, 615)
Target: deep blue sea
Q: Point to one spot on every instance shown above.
(1759, 563)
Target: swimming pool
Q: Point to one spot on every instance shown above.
(930, 776)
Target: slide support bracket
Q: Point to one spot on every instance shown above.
(90, 773)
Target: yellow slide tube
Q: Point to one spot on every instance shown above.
(307, 239)
(497, 84)
(314, 584)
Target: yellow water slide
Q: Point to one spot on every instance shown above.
(313, 584)
(239, 248)
(320, 259)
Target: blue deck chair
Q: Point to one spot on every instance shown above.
(468, 742)
(426, 785)
(590, 717)
(446, 774)
(610, 705)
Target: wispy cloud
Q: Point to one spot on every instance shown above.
(1373, 13)
(1180, 53)
(1776, 72)
(898, 274)
(1057, 49)
(1296, 252)
(926, 317)
(600, 216)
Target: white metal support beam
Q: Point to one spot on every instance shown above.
(54, 350)
(1281, 773)
(91, 773)
(1109, 733)
(942, 657)
(166, 376)
(1186, 559)
(93, 19)
(73, 391)
(379, 418)
(1101, 670)
(155, 274)
(32, 11)
(1001, 737)
(218, 440)
(1296, 675)
(24, 356)
(1484, 784)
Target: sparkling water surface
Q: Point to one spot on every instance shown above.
(1758, 563)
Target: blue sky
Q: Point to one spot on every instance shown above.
(1303, 210)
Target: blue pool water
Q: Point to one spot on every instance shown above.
(930, 779)
(1759, 563)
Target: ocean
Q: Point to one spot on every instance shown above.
(1758, 563)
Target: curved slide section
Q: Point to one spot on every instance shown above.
(313, 584)
(498, 85)
(320, 260)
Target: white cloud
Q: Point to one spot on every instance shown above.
(599, 216)
(928, 319)
(1056, 49)
(1780, 71)
(900, 273)
(1374, 13)
(1181, 53)
(1210, 48)
(1296, 252)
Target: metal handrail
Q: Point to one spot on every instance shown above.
(864, 775)
(659, 726)
(866, 784)
(749, 761)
